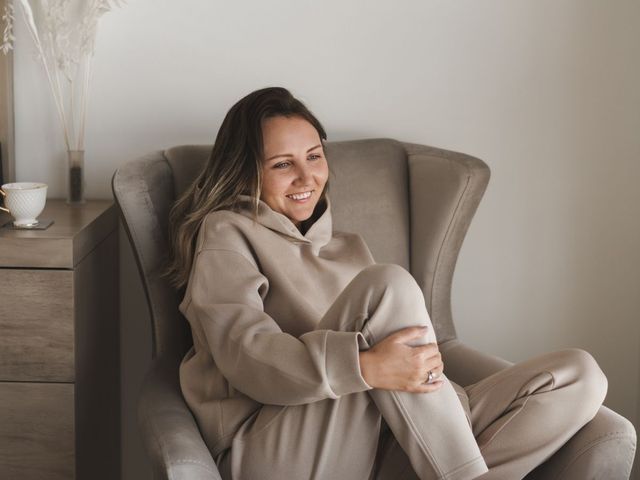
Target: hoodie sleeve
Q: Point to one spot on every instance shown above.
(250, 349)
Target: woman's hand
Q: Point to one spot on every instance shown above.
(391, 364)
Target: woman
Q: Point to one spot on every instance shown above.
(311, 361)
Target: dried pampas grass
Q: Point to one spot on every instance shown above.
(7, 33)
(64, 34)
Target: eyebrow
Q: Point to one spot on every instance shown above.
(290, 155)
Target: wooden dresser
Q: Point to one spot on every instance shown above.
(59, 346)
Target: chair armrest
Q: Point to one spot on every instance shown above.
(465, 365)
(604, 448)
(169, 432)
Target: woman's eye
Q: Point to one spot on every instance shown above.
(314, 156)
(280, 165)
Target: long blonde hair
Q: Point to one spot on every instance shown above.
(234, 168)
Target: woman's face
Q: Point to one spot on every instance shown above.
(294, 168)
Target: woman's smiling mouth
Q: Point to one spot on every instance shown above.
(300, 197)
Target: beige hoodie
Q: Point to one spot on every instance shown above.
(254, 297)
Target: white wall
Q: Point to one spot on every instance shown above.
(545, 91)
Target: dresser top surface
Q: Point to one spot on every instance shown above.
(68, 220)
(76, 231)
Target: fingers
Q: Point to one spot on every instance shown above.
(428, 357)
(436, 374)
(432, 365)
(420, 375)
(426, 387)
(427, 351)
(435, 371)
(405, 335)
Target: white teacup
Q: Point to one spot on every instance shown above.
(24, 201)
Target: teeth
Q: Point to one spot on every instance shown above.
(300, 196)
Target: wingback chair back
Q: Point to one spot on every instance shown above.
(371, 183)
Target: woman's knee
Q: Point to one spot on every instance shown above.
(591, 379)
(396, 285)
(390, 275)
(396, 300)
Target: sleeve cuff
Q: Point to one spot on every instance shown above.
(343, 363)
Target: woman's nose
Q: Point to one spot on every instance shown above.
(304, 174)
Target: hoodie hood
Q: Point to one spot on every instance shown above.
(318, 234)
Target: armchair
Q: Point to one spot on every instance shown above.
(413, 205)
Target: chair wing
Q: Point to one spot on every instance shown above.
(445, 190)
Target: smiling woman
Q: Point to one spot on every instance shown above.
(269, 146)
(7, 167)
(309, 359)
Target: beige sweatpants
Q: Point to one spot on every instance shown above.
(499, 428)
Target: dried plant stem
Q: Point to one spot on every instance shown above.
(83, 99)
(56, 93)
(72, 121)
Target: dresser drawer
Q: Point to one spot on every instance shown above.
(36, 321)
(37, 431)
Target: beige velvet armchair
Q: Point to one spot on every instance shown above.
(413, 205)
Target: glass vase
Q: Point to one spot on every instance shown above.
(75, 177)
